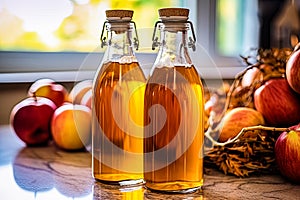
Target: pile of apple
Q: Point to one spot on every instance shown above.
(273, 102)
(51, 113)
(287, 146)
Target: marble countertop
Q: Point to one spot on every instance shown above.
(50, 173)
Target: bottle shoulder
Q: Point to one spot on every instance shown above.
(179, 74)
(121, 71)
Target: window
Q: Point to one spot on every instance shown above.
(60, 35)
(66, 25)
(236, 26)
(30, 43)
(215, 32)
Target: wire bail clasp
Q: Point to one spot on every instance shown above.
(103, 39)
(191, 42)
(155, 42)
(136, 42)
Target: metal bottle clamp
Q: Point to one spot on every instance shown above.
(105, 43)
(191, 42)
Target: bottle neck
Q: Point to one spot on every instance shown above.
(119, 43)
(173, 49)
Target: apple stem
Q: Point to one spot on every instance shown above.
(35, 97)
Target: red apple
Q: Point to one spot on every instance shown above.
(71, 126)
(50, 89)
(287, 153)
(293, 71)
(278, 103)
(30, 119)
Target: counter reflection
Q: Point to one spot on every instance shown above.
(46, 171)
(50, 173)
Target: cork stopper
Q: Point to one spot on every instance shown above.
(173, 13)
(119, 15)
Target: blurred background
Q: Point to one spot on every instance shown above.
(75, 25)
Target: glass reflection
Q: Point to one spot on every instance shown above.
(196, 195)
(105, 191)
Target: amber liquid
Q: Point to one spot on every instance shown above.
(179, 133)
(118, 101)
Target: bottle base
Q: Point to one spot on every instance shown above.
(120, 180)
(175, 187)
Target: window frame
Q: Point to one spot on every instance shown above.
(29, 66)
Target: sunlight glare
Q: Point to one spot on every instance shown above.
(40, 15)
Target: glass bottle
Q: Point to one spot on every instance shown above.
(117, 105)
(173, 112)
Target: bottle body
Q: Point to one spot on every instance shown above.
(173, 115)
(180, 167)
(117, 107)
(117, 123)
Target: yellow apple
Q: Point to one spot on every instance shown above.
(237, 119)
(79, 90)
(50, 89)
(87, 99)
(71, 126)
